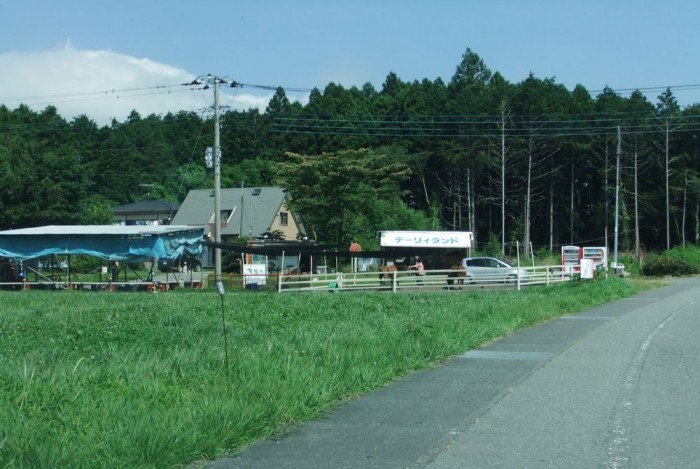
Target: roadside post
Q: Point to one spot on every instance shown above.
(220, 288)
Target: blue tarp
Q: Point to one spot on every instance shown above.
(110, 242)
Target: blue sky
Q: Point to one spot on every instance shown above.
(57, 52)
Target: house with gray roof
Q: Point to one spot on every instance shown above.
(145, 212)
(245, 212)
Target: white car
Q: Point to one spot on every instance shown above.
(491, 270)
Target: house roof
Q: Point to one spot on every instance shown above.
(146, 207)
(253, 209)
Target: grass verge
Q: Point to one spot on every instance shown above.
(135, 380)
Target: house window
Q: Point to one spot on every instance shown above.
(284, 218)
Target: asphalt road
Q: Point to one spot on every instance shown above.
(616, 386)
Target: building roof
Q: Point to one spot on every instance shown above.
(252, 209)
(103, 230)
(147, 207)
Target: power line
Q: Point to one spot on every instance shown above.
(272, 88)
(481, 119)
(648, 89)
(445, 129)
(171, 88)
(86, 94)
(204, 82)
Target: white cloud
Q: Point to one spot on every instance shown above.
(104, 85)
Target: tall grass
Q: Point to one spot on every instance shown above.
(138, 380)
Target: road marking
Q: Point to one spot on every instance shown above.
(618, 446)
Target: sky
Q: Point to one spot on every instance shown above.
(105, 59)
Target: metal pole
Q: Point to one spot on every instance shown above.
(617, 197)
(220, 288)
(240, 230)
(517, 270)
(217, 184)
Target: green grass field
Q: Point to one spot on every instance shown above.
(138, 380)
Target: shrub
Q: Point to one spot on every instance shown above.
(231, 262)
(658, 266)
(687, 254)
(492, 247)
(84, 264)
(544, 256)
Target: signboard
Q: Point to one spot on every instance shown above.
(254, 273)
(427, 239)
(587, 268)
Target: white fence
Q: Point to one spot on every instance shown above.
(395, 281)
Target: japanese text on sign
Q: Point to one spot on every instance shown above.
(435, 239)
(254, 273)
(430, 241)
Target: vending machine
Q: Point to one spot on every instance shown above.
(598, 254)
(571, 258)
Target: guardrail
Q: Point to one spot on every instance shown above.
(394, 281)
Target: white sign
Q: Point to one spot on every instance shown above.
(427, 239)
(254, 273)
(587, 268)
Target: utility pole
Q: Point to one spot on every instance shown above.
(240, 229)
(617, 194)
(668, 203)
(217, 184)
(207, 82)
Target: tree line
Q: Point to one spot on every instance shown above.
(528, 162)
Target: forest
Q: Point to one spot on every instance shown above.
(526, 162)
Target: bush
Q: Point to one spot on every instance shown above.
(544, 256)
(687, 254)
(231, 262)
(492, 247)
(84, 263)
(658, 266)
